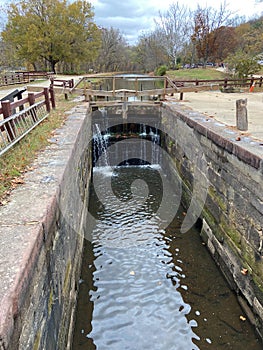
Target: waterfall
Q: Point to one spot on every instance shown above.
(100, 144)
(123, 146)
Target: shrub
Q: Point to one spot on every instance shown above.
(160, 71)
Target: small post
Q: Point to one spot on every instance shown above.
(52, 97)
(181, 96)
(32, 101)
(10, 127)
(19, 97)
(241, 114)
(31, 98)
(47, 100)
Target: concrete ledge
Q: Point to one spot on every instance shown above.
(247, 149)
(36, 233)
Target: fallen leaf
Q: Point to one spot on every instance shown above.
(18, 180)
(242, 318)
(244, 271)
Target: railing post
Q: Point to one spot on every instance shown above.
(260, 81)
(47, 100)
(7, 111)
(164, 89)
(31, 98)
(32, 101)
(19, 97)
(71, 83)
(113, 86)
(225, 83)
(52, 97)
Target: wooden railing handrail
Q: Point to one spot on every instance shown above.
(32, 97)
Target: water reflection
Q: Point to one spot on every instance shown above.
(148, 288)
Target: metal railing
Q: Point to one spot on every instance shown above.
(15, 127)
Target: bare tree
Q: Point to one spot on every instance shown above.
(207, 21)
(174, 27)
(112, 54)
(150, 51)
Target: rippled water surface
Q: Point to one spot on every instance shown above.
(144, 284)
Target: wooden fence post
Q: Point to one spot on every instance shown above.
(47, 100)
(32, 101)
(7, 112)
(241, 114)
(31, 98)
(52, 97)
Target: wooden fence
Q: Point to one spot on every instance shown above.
(32, 110)
(23, 77)
(224, 83)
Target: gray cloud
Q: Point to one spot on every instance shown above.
(131, 17)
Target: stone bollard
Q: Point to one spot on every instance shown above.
(241, 114)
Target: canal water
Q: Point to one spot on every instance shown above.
(144, 284)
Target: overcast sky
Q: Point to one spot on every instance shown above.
(134, 17)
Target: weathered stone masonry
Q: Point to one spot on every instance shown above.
(233, 212)
(41, 235)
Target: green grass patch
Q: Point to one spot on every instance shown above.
(16, 161)
(196, 74)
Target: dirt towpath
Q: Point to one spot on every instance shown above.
(222, 107)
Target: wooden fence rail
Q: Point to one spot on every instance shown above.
(225, 83)
(32, 110)
(23, 77)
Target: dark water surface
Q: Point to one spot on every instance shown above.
(146, 285)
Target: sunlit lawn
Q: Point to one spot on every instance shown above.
(196, 74)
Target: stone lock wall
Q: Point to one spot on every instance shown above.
(41, 233)
(231, 166)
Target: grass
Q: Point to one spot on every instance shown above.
(196, 74)
(15, 162)
(199, 74)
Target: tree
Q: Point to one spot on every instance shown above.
(112, 54)
(174, 27)
(151, 52)
(225, 43)
(207, 22)
(250, 36)
(51, 30)
(243, 64)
